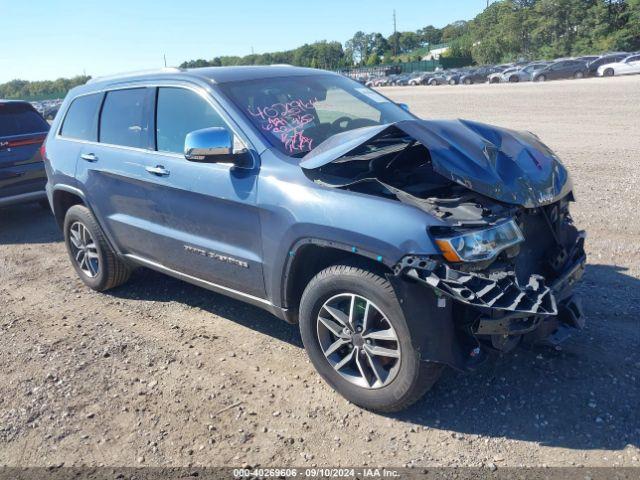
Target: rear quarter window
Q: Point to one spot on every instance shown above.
(18, 119)
(81, 121)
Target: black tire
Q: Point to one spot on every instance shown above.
(468, 81)
(452, 82)
(609, 72)
(578, 75)
(414, 377)
(540, 78)
(494, 80)
(112, 270)
(514, 79)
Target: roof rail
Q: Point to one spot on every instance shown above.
(135, 74)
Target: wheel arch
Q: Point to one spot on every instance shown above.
(310, 256)
(63, 198)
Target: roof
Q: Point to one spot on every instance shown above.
(17, 102)
(212, 74)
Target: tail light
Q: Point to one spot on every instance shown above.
(43, 152)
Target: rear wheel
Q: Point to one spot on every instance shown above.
(494, 80)
(579, 75)
(356, 336)
(609, 72)
(540, 78)
(452, 82)
(97, 265)
(514, 79)
(467, 81)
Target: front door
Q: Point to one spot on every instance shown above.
(210, 223)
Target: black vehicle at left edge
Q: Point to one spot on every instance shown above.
(22, 173)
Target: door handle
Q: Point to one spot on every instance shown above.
(158, 170)
(89, 157)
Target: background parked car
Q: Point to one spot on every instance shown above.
(496, 77)
(439, 78)
(559, 70)
(22, 174)
(420, 79)
(478, 75)
(522, 73)
(453, 76)
(628, 66)
(400, 80)
(592, 67)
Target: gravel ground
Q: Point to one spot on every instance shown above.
(159, 372)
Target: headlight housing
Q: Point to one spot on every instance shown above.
(480, 245)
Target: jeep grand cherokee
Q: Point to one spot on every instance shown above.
(399, 245)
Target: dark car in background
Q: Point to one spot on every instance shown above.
(560, 69)
(22, 173)
(523, 73)
(420, 79)
(438, 78)
(592, 67)
(479, 75)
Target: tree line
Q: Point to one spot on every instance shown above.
(506, 30)
(24, 89)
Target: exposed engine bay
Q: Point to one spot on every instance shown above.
(497, 299)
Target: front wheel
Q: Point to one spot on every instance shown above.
(356, 336)
(608, 72)
(579, 75)
(540, 78)
(467, 81)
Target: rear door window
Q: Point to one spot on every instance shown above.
(180, 111)
(20, 119)
(123, 120)
(81, 121)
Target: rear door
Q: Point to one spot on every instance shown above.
(210, 223)
(112, 170)
(22, 131)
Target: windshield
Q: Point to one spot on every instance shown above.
(296, 114)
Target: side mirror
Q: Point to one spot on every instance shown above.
(215, 145)
(404, 106)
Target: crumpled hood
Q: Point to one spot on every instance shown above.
(509, 166)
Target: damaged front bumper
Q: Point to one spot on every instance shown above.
(504, 308)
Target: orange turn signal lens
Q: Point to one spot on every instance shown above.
(447, 251)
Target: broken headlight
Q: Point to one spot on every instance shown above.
(480, 245)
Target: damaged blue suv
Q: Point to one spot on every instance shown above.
(399, 245)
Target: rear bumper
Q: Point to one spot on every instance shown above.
(23, 198)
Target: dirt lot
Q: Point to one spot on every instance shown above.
(162, 373)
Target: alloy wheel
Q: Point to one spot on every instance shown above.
(358, 341)
(84, 249)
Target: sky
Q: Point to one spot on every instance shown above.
(47, 39)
